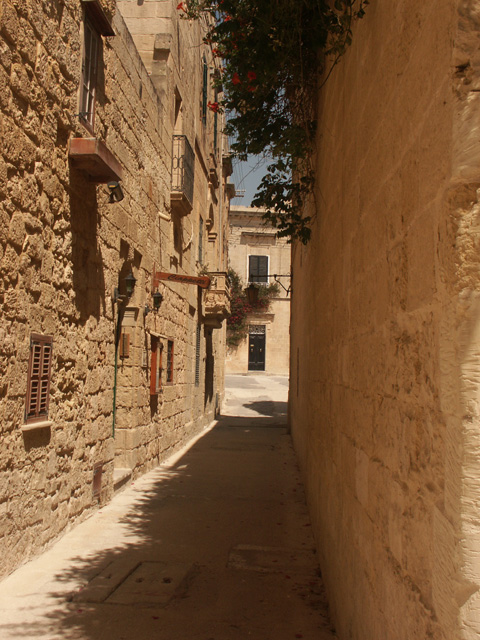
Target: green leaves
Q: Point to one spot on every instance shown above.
(270, 52)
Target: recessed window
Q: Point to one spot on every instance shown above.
(170, 361)
(258, 269)
(91, 48)
(38, 378)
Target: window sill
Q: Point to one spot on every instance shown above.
(36, 425)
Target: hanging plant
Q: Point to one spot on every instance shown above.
(240, 308)
(273, 54)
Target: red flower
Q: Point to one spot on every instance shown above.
(214, 106)
(252, 89)
(227, 18)
(236, 78)
(251, 75)
(181, 7)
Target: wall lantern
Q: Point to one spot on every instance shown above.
(116, 193)
(130, 281)
(252, 294)
(157, 300)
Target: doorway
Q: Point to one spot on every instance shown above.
(256, 348)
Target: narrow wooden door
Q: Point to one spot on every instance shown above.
(256, 352)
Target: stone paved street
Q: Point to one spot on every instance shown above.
(215, 544)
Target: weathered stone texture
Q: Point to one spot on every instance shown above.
(63, 250)
(384, 391)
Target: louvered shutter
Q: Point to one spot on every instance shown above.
(38, 382)
(258, 269)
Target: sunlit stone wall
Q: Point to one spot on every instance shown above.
(385, 336)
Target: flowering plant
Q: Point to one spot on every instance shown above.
(240, 308)
(273, 54)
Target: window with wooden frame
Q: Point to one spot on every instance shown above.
(170, 361)
(258, 269)
(91, 48)
(38, 378)
(95, 25)
(156, 366)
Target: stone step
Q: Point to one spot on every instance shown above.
(121, 478)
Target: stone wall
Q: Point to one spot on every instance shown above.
(64, 249)
(385, 317)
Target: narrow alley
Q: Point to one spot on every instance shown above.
(214, 544)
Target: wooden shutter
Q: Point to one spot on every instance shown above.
(89, 74)
(258, 268)
(38, 380)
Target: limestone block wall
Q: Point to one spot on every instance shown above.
(63, 250)
(385, 316)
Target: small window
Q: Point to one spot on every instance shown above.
(156, 367)
(258, 269)
(170, 361)
(197, 357)
(38, 379)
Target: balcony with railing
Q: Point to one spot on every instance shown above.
(183, 172)
(217, 299)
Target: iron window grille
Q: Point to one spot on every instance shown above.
(183, 167)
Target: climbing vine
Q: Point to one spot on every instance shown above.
(273, 53)
(237, 327)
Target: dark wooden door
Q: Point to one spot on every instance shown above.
(256, 352)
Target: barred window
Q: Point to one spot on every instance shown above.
(38, 380)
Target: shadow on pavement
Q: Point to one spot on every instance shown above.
(164, 570)
(268, 407)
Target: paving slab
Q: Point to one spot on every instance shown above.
(214, 544)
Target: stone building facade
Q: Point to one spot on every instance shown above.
(256, 255)
(385, 327)
(111, 167)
